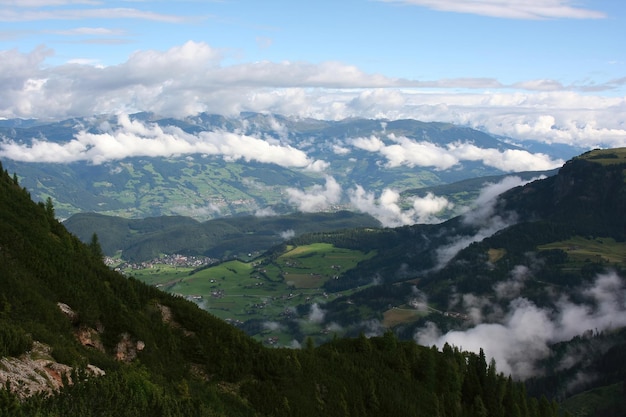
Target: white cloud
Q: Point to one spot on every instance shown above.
(511, 9)
(45, 3)
(405, 151)
(529, 109)
(483, 215)
(388, 211)
(317, 198)
(287, 234)
(512, 160)
(36, 13)
(316, 314)
(133, 138)
(89, 31)
(265, 212)
(526, 331)
(271, 326)
(197, 212)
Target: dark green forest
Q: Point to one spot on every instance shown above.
(192, 364)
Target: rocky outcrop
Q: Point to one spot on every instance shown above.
(36, 371)
(126, 349)
(89, 337)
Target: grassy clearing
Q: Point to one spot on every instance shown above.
(159, 274)
(606, 156)
(495, 254)
(580, 250)
(310, 266)
(400, 315)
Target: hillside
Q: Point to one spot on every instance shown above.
(534, 276)
(209, 166)
(549, 250)
(141, 240)
(136, 351)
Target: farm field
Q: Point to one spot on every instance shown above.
(581, 249)
(401, 315)
(264, 291)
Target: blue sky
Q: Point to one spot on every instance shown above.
(551, 70)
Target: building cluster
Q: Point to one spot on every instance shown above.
(175, 260)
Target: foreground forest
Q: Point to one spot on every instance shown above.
(132, 350)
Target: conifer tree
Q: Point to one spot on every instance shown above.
(94, 247)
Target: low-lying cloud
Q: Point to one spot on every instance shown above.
(525, 332)
(388, 208)
(483, 215)
(131, 138)
(317, 198)
(408, 152)
(316, 314)
(388, 211)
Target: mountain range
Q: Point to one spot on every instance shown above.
(79, 339)
(534, 276)
(209, 166)
(525, 268)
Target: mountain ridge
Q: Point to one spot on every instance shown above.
(210, 166)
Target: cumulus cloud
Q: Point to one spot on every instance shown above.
(511, 9)
(133, 138)
(408, 152)
(404, 151)
(542, 110)
(317, 198)
(511, 160)
(524, 334)
(388, 211)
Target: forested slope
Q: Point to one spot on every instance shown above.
(162, 355)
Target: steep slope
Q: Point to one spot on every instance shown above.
(550, 277)
(588, 194)
(161, 355)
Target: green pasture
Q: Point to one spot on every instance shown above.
(263, 290)
(581, 249)
(606, 156)
(158, 274)
(310, 266)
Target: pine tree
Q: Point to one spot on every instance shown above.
(95, 248)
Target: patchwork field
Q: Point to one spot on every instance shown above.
(269, 292)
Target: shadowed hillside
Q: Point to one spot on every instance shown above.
(135, 351)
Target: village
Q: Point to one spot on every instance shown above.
(176, 260)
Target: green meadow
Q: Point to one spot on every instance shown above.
(266, 290)
(581, 250)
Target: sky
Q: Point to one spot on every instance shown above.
(548, 70)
